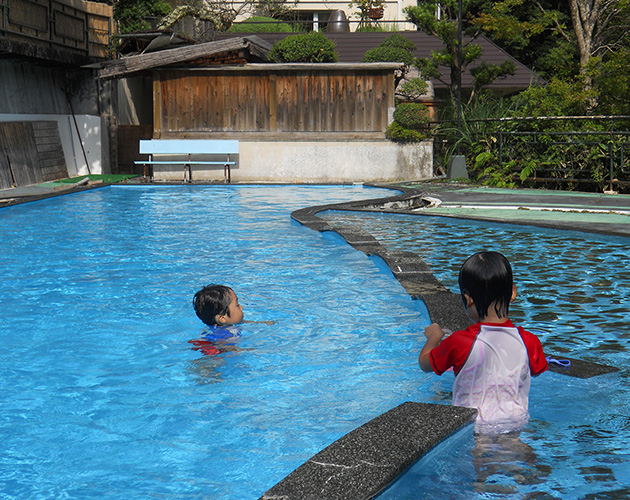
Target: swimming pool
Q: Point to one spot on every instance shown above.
(103, 397)
(574, 292)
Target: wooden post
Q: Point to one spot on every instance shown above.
(157, 105)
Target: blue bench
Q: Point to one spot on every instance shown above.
(194, 151)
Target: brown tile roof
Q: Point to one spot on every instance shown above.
(352, 46)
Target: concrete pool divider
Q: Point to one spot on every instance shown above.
(362, 463)
(416, 277)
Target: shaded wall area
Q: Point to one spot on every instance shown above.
(34, 92)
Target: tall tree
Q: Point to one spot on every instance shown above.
(599, 26)
(440, 18)
(532, 32)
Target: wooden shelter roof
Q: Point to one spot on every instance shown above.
(237, 50)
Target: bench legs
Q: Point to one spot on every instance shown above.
(148, 172)
(227, 174)
(187, 173)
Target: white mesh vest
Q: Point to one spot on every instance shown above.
(495, 379)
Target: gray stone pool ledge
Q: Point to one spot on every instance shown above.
(365, 461)
(416, 277)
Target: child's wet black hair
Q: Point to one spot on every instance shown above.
(210, 301)
(487, 277)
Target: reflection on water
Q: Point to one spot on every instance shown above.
(574, 288)
(503, 463)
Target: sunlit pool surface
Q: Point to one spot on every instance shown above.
(103, 397)
(574, 292)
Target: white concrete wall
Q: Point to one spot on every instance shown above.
(317, 162)
(93, 137)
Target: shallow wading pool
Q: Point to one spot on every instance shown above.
(103, 396)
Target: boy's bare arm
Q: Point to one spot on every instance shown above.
(268, 322)
(434, 335)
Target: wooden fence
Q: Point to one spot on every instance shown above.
(30, 153)
(80, 27)
(274, 99)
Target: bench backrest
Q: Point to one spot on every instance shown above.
(188, 146)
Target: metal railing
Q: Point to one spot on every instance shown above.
(535, 151)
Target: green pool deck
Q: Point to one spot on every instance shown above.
(591, 212)
(34, 192)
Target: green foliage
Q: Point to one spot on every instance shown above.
(611, 82)
(388, 54)
(557, 98)
(260, 24)
(413, 89)
(305, 48)
(412, 115)
(399, 41)
(397, 133)
(536, 33)
(134, 15)
(411, 123)
(445, 27)
(484, 74)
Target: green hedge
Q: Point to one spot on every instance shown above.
(398, 41)
(412, 115)
(388, 54)
(397, 133)
(307, 48)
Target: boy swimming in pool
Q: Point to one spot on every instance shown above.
(492, 359)
(218, 307)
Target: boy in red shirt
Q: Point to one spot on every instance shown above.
(492, 359)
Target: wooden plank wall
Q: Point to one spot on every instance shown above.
(272, 101)
(30, 153)
(52, 161)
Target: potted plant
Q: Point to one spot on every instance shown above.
(369, 12)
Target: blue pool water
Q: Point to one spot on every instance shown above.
(103, 397)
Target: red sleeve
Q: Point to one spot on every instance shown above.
(537, 359)
(453, 351)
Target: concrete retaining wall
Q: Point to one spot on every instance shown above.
(315, 162)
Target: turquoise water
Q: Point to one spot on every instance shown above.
(574, 292)
(102, 395)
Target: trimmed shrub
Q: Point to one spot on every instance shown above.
(388, 54)
(260, 24)
(399, 41)
(395, 132)
(412, 115)
(307, 48)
